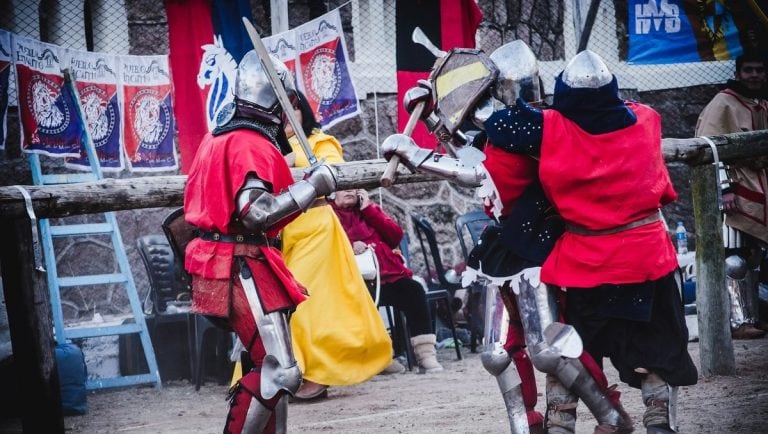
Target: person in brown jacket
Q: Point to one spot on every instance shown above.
(742, 106)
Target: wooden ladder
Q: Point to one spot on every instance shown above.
(124, 277)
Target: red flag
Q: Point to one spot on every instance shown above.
(448, 24)
(189, 28)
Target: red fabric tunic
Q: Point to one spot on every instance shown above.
(217, 173)
(600, 182)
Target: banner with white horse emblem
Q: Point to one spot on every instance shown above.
(218, 70)
(49, 121)
(96, 81)
(5, 75)
(325, 76)
(148, 124)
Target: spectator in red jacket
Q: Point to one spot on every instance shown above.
(367, 225)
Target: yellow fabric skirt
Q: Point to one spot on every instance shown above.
(338, 336)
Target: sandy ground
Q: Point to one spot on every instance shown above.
(463, 399)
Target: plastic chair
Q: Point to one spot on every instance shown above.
(473, 223)
(165, 285)
(178, 233)
(441, 290)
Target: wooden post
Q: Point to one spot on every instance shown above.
(29, 318)
(712, 303)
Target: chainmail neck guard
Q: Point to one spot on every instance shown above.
(250, 124)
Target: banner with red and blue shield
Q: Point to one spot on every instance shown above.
(49, 121)
(325, 77)
(148, 125)
(97, 85)
(5, 75)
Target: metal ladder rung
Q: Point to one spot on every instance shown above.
(128, 380)
(68, 178)
(92, 332)
(81, 229)
(94, 279)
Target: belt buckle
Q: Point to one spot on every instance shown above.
(216, 237)
(239, 238)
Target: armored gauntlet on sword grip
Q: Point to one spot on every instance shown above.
(260, 209)
(424, 160)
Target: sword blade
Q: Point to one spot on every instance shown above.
(277, 86)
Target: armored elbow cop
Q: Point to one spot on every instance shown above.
(260, 210)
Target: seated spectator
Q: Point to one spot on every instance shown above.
(367, 225)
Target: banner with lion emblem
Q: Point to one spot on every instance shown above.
(5, 75)
(97, 85)
(325, 76)
(49, 120)
(148, 124)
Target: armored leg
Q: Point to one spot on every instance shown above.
(561, 407)
(660, 405)
(251, 414)
(279, 370)
(555, 348)
(742, 309)
(497, 361)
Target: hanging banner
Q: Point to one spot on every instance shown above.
(148, 126)
(96, 80)
(5, 75)
(678, 31)
(47, 112)
(325, 76)
(217, 73)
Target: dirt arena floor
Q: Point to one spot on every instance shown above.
(463, 399)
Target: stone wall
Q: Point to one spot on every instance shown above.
(539, 23)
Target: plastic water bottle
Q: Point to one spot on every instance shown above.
(681, 236)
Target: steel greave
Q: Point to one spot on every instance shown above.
(742, 310)
(555, 347)
(279, 371)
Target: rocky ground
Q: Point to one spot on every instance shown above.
(463, 399)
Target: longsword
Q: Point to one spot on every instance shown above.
(282, 96)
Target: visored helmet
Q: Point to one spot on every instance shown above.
(518, 73)
(254, 95)
(586, 70)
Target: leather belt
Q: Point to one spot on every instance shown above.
(581, 230)
(258, 240)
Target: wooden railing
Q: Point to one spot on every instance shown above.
(29, 309)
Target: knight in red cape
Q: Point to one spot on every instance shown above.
(601, 166)
(239, 194)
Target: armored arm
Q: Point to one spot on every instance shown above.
(424, 160)
(260, 209)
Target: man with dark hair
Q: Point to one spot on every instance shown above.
(742, 106)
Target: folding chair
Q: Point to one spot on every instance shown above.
(441, 290)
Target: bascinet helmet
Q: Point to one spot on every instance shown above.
(518, 78)
(254, 95)
(518, 73)
(586, 70)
